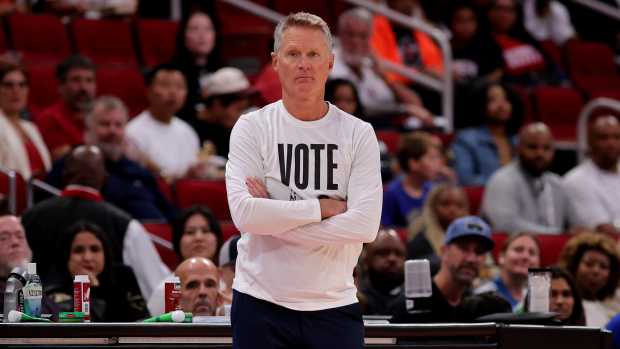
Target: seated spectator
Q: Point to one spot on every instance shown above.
(81, 200)
(128, 185)
(197, 56)
(565, 299)
(480, 151)
(519, 253)
(548, 20)
(166, 145)
(62, 124)
(524, 195)
(444, 204)
(524, 60)
(21, 147)
(384, 265)
(226, 96)
(227, 264)
(196, 233)
(343, 94)
(114, 293)
(402, 45)
(467, 241)
(355, 62)
(421, 162)
(477, 58)
(14, 249)
(593, 185)
(593, 261)
(200, 282)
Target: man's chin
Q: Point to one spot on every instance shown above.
(203, 311)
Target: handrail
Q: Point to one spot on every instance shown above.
(601, 8)
(36, 183)
(584, 117)
(443, 86)
(12, 176)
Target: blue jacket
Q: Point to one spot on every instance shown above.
(475, 155)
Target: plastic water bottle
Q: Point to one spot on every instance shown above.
(13, 291)
(33, 292)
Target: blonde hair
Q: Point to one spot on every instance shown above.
(301, 19)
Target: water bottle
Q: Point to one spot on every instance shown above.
(418, 286)
(13, 296)
(33, 292)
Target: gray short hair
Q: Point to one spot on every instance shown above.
(358, 13)
(106, 103)
(301, 19)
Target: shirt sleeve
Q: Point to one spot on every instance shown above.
(257, 215)
(588, 210)
(140, 254)
(360, 222)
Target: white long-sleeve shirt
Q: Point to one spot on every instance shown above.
(287, 254)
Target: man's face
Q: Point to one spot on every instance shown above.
(463, 258)
(354, 38)
(79, 88)
(199, 289)
(14, 249)
(387, 255)
(167, 92)
(605, 143)
(303, 62)
(536, 152)
(108, 131)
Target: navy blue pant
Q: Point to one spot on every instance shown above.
(260, 324)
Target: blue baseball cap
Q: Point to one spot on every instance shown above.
(470, 226)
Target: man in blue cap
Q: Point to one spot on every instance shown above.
(467, 241)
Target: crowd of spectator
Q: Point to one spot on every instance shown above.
(111, 166)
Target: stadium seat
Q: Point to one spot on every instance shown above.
(126, 83)
(3, 42)
(524, 96)
(474, 196)
(228, 229)
(319, 8)
(559, 108)
(592, 66)
(190, 192)
(162, 232)
(43, 87)
(234, 20)
(107, 42)
(21, 191)
(390, 138)
(157, 40)
(550, 246)
(41, 39)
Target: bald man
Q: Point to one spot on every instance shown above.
(524, 195)
(384, 265)
(594, 185)
(200, 280)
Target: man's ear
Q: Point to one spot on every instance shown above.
(274, 61)
(331, 60)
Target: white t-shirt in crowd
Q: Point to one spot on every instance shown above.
(287, 254)
(555, 26)
(594, 193)
(173, 147)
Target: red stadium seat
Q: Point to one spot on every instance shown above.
(107, 42)
(43, 87)
(237, 21)
(42, 39)
(157, 40)
(592, 66)
(559, 108)
(550, 246)
(228, 229)
(319, 8)
(3, 43)
(474, 196)
(126, 83)
(524, 96)
(390, 138)
(162, 233)
(190, 192)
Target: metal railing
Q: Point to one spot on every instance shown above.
(601, 7)
(38, 184)
(584, 117)
(443, 86)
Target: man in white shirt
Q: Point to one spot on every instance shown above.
(304, 188)
(165, 144)
(593, 187)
